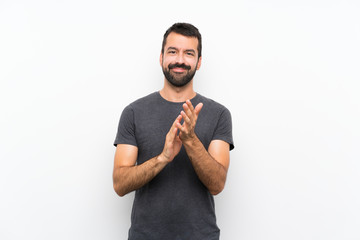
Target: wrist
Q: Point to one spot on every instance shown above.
(190, 141)
(163, 159)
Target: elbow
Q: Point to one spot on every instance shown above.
(120, 194)
(218, 184)
(118, 185)
(119, 191)
(216, 190)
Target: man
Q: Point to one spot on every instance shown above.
(172, 147)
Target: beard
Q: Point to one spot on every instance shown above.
(179, 79)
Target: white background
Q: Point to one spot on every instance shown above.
(287, 70)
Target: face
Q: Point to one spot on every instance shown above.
(180, 60)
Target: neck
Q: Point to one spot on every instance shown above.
(177, 94)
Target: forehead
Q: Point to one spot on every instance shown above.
(181, 42)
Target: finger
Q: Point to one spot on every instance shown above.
(198, 108)
(188, 110)
(186, 118)
(173, 128)
(188, 102)
(180, 127)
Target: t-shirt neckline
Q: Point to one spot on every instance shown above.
(192, 100)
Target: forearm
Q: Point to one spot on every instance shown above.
(128, 179)
(211, 173)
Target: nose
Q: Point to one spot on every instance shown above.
(180, 58)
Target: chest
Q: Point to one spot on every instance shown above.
(152, 125)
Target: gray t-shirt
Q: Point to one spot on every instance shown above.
(175, 204)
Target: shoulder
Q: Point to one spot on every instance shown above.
(143, 102)
(213, 106)
(214, 122)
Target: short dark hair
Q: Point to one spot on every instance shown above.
(185, 29)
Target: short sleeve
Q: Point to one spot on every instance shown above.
(223, 129)
(126, 128)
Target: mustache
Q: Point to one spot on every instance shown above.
(177, 65)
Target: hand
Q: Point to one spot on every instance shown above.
(190, 116)
(173, 143)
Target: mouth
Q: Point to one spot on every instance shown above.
(179, 68)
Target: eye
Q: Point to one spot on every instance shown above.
(190, 53)
(171, 51)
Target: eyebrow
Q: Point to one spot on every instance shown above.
(187, 50)
(190, 50)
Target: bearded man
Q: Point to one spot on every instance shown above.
(173, 148)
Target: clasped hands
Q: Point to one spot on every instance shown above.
(181, 133)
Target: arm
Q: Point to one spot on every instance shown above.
(211, 166)
(128, 177)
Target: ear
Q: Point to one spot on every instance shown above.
(161, 59)
(199, 63)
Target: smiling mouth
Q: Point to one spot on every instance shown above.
(178, 70)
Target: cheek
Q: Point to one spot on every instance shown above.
(191, 61)
(166, 62)
(194, 64)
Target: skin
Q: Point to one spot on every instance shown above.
(210, 165)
